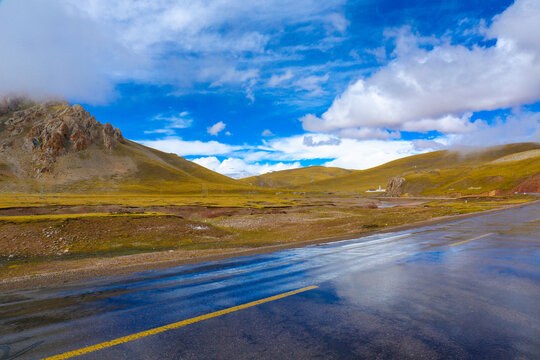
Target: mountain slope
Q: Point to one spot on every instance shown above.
(66, 149)
(501, 168)
(296, 177)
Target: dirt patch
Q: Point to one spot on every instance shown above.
(494, 179)
(206, 212)
(530, 185)
(107, 235)
(187, 212)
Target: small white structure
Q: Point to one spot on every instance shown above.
(376, 190)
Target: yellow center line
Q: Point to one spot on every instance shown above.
(476, 238)
(176, 325)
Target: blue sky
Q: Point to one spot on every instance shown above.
(249, 87)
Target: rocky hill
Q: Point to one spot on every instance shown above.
(54, 129)
(67, 149)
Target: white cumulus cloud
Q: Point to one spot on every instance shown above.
(348, 153)
(216, 128)
(310, 141)
(522, 126)
(267, 133)
(434, 85)
(184, 148)
(237, 168)
(82, 49)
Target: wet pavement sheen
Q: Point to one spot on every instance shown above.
(422, 293)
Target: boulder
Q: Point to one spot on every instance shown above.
(395, 186)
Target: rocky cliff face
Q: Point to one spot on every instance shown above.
(395, 186)
(52, 129)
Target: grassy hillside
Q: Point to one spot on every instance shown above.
(41, 148)
(441, 172)
(296, 177)
(130, 167)
(148, 171)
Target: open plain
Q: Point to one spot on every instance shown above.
(53, 243)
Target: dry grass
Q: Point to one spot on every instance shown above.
(28, 241)
(431, 174)
(52, 217)
(227, 199)
(295, 178)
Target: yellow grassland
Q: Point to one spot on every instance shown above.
(19, 219)
(437, 173)
(254, 199)
(54, 242)
(296, 177)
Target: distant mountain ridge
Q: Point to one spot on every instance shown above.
(64, 148)
(294, 178)
(496, 169)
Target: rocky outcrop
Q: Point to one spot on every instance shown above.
(52, 129)
(395, 186)
(79, 140)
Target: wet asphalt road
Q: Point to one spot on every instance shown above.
(425, 293)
